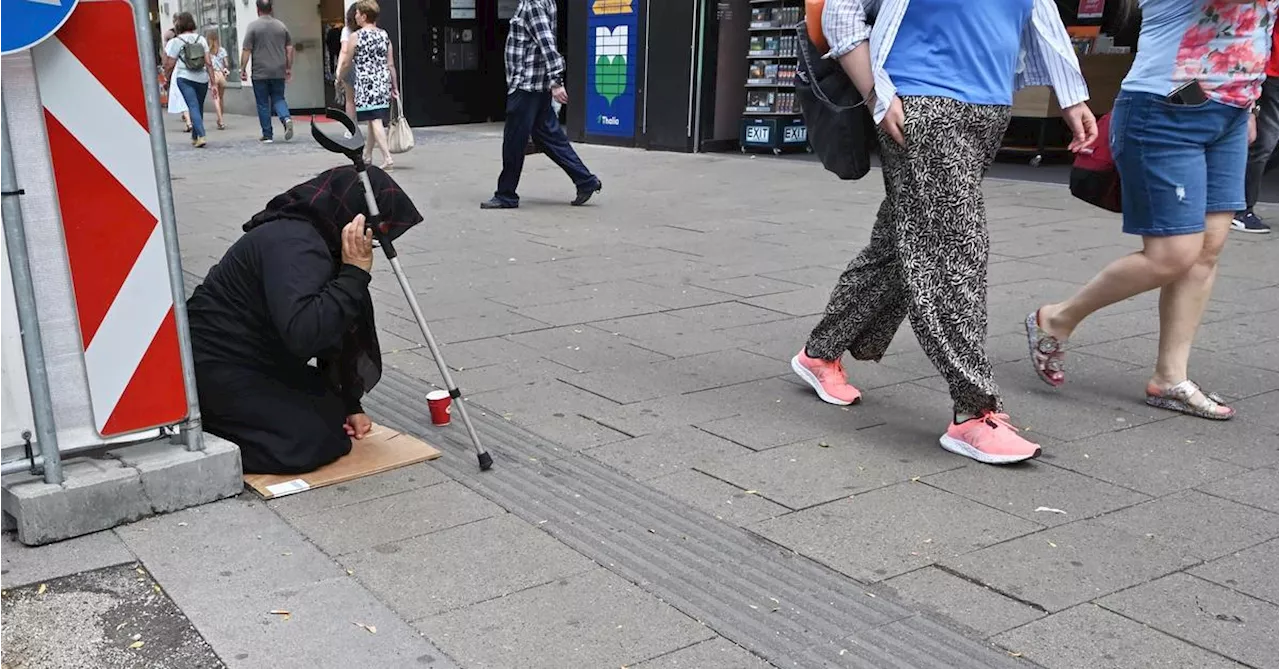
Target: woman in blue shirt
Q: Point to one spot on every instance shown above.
(941, 75)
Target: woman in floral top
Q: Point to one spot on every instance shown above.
(1180, 134)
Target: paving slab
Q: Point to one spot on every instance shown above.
(710, 495)
(669, 335)
(453, 568)
(585, 348)
(396, 481)
(1258, 488)
(1069, 564)
(717, 653)
(1252, 571)
(350, 528)
(596, 619)
(1039, 492)
(962, 602)
(1089, 636)
(1197, 524)
(867, 536)
(636, 383)
(665, 453)
(1208, 615)
(28, 564)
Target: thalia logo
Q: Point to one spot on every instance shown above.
(608, 120)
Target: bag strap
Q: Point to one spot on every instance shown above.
(806, 47)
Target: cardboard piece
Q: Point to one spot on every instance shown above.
(382, 450)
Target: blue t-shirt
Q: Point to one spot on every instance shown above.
(966, 50)
(1223, 45)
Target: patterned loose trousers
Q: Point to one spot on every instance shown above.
(927, 258)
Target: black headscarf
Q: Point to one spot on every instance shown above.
(329, 202)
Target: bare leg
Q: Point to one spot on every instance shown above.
(1182, 304)
(217, 103)
(368, 144)
(186, 120)
(379, 133)
(350, 101)
(1161, 261)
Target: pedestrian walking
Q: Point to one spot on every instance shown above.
(188, 66)
(221, 70)
(175, 104)
(942, 75)
(369, 54)
(535, 77)
(269, 48)
(348, 81)
(1266, 135)
(1179, 134)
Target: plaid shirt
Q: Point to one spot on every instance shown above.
(533, 63)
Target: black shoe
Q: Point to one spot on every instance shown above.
(585, 194)
(495, 203)
(1249, 222)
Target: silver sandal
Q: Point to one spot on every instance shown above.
(1047, 356)
(1180, 396)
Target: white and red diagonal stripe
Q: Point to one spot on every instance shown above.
(90, 85)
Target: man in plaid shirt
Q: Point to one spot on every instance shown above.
(535, 76)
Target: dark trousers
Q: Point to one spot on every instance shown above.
(530, 115)
(269, 95)
(1262, 148)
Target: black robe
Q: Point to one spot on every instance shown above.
(278, 299)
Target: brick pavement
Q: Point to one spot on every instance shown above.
(650, 332)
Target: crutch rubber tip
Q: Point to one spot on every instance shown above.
(486, 461)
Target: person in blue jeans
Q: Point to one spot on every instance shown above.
(187, 60)
(1180, 136)
(535, 76)
(269, 47)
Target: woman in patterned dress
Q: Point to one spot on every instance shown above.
(369, 52)
(1180, 134)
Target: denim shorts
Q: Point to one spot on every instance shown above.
(1177, 162)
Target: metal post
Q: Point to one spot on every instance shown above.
(189, 432)
(24, 297)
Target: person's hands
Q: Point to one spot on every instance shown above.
(894, 122)
(357, 244)
(559, 94)
(288, 75)
(395, 94)
(1083, 126)
(244, 74)
(358, 425)
(1253, 129)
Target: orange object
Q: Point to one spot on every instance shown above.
(813, 23)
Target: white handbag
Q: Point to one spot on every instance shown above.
(399, 134)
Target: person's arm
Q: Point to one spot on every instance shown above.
(544, 33)
(309, 306)
(1048, 59)
(170, 61)
(209, 69)
(288, 55)
(391, 67)
(246, 48)
(346, 55)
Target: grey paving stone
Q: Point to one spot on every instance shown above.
(636, 383)
(717, 653)
(868, 537)
(1194, 523)
(595, 619)
(1069, 564)
(664, 413)
(587, 311)
(1023, 491)
(669, 335)
(1251, 571)
(816, 277)
(572, 433)
(350, 528)
(393, 482)
(717, 498)
(1212, 373)
(478, 380)
(540, 401)
(585, 348)
(964, 603)
(673, 297)
(728, 315)
(1153, 459)
(27, 564)
(747, 286)
(463, 565)
(807, 473)
(663, 453)
(1089, 636)
(225, 549)
(1208, 615)
(1259, 488)
(803, 302)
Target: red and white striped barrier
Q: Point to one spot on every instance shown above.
(90, 82)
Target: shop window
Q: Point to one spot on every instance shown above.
(218, 15)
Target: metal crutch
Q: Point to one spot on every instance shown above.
(352, 146)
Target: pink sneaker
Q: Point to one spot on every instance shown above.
(989, 438)
(827, 378)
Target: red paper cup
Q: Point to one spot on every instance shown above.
(441, 405)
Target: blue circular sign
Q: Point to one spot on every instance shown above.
(30, 22)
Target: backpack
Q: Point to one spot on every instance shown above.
(192, 55)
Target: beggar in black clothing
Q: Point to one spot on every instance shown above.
(293, 289)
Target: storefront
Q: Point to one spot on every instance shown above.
(718, 75)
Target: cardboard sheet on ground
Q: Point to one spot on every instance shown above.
(383, 450)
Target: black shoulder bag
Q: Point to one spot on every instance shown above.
(834, 112)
